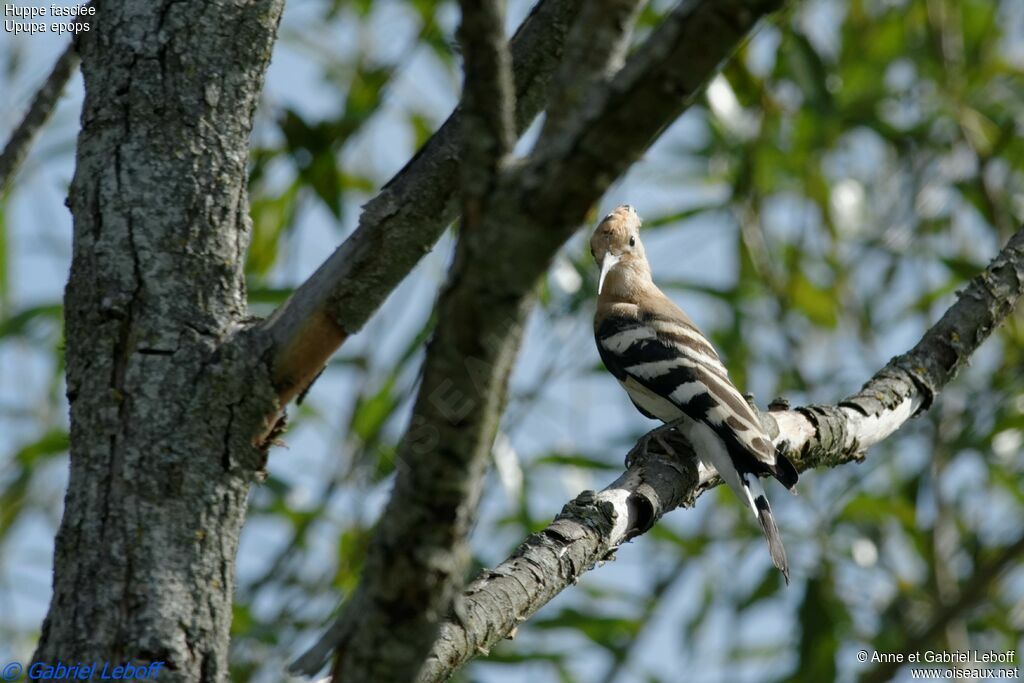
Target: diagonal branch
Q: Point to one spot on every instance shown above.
(412, 567)
(402, 223)
(37, 115)
(595, 50)
(594, 525)
(616, 124)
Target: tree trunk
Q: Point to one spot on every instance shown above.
(162, 412)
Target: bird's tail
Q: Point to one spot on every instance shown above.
(763, 511)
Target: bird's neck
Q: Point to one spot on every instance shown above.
(627, 284)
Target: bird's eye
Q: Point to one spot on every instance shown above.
(632, 241)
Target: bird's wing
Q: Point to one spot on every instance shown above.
(669, 357)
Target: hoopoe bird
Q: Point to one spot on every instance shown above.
(673, 374)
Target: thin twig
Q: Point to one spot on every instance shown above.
(37, 115)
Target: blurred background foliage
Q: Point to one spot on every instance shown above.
(850, 169)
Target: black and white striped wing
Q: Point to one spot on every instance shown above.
(657, 357)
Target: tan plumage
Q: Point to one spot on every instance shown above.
(672, 373)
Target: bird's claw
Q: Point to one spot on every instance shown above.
(638, 449)
(643, 443)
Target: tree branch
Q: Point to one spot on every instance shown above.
(487, 132)
(416, 559)
(591, 527)
(618, 123)
(595, 50)
(413, 562)
(402, 223)
(37, 115)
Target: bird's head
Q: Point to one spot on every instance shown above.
(616, 245)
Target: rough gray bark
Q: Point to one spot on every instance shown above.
(595, 50)
(387, 626)
(43, 104)
(418, 555)
(404, 221)
(161, 418)
(590, 528)
(488, 132)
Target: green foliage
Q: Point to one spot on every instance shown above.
(822, 619)
(4, 257)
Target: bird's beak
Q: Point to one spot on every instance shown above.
(607, 263)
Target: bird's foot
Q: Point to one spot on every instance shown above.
(643, 443)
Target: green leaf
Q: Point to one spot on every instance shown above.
(372, 412)
(352, 547)
(808, 71)
(322, 175)
(274, 296)
(819, 305)
(272, 217)
(873, 510)
(768, 587)
(962, 267)
(981, 131)
(503, 655)
(4, 255)
(20, 323)
(823, 619)
(26, 459)
(52, 442)
(364, 93)
(422, 128)
(313, 148)
(609, 632)
(575, 460)
(671, 219)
